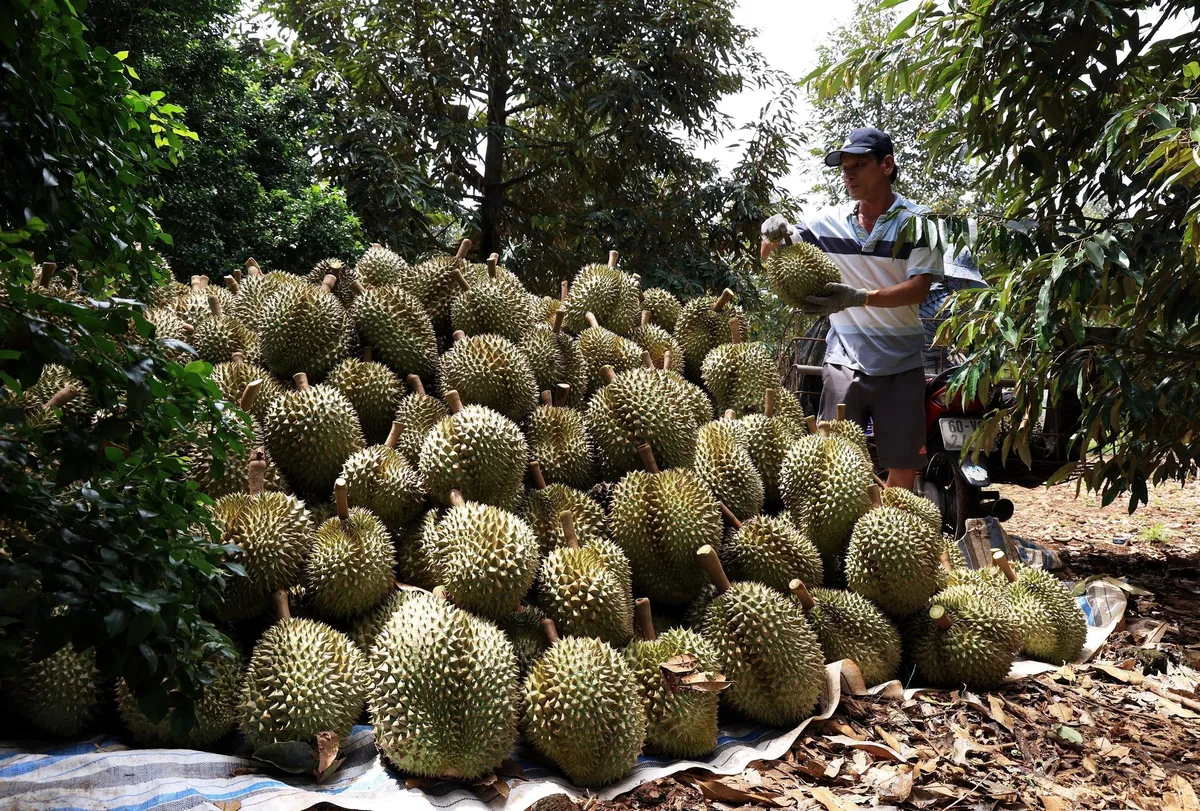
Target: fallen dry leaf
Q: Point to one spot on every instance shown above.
(827, 798)
(877, 749)
(996, 704)
(1181, 797)
(716, 788)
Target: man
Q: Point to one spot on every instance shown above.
(873, 350)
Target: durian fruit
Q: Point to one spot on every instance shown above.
(556, 359)
(681, 719)
(725, 466)
(485, 306)
(373, 389)
(965, 637)
(274, 533)
(491, 271)
(770, 550)
(766, 439)
(432, 282)
(416, 414)
(952, 554)
(379, 267)
(545, 308)
(659, 343)
(256, 289)
(233, 377)
(168, 326)
(659, 519)
(311, 432)
(639, 406)
(412, 544)
(366, 628)
(304, 678)
(54, 395)
(601, 347)
(664, 308)
(558, 442)
(848, 430)
(797, 270)
(394, 322)
(693, 398)
(214, 712)
(765, 647)
(1053, 626)
(347, 284)
(545, 503)
(523, 628)
(614, 297)
(916, 506)
(484, 556)
(59, 694)
(194, 307)
(894, 559)
(584, 709)
(305, 329)
(476, 451)
(849, 626)
(703, 325)
(349, 568)
(587, 591)
(227, 474)
(738, 374)
(489, 370)
(445, 698)
(381, 480)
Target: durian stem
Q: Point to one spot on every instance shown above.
(237, 275)
(453, 401)
(301, 381)
(608, 373)
(841, 411)
(666, 360)
(941, 617)
(1001, 560)
(459, 335)
(646, 453)
(456, 498)
(393, 437)
(729, 516)
(735, 330)
(214, 305)
(645, 318)
(414, 383)
(368, 353)
(562, 392)
(811, 423)
(250, 394)
(798, 588)
(357, 287)
(61, 397)
(712, 567)
(568, 527)
(463, 248)
(769, 402)
(341, 496)
(647, 359)
(876, 496)
(546, 397)
(945, 561)
(645, 620)
(535, 470)
(47, 273)
(723, 299)
(329, 282)
(492, 261)
(563, 288)
(559, 315)
(460, 280)
(824, 429)
(232, 284)
(612, 259)
(256, 475)
(590, 317)
(376, 245)
(187, 328)
(730, 414)
(549, 630)
(280, 605)
(251, 263)
(237, 357)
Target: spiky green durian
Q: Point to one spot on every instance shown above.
(304, 678)
(765, 647)
(659, 343)
(610, 294)
(194, 307)
(770, 550)
(416, 414)
(702, 326)
(953, 552)
(233, 377)
(587, 590)
(349, 567)
(682, 722)
(851, 432)
(305, 329)
(544, 309)
(413, 566)
(584, 710)
(767, 440)
(894, 560)
(738, 374)
(55, 394)
(366, 628)
(664, 308)
(659, 520)
(558, 442)
(214, 712)
(168, 326)
(523, 628)
(914, 505)
(432, 282)
(849, 626)
(379, 267)
(256, 289)
(382, 480)
(965, 637)
(311, 432)
(490, 371)
(487, 306)
(486, 557)
(478, 452)
(444, 701)
(694, 399)
(1053, 627)
(798, 271)
(554, 358)
(824, 483)
(373, 389)
(543, 508)
(639, 406)
(493, 272)
(347, 284)
(166, 296)
(59, 694)
(725, 466)
(601, 347)
(393, 321)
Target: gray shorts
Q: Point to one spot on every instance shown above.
(895, 405)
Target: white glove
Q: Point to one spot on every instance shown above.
(776, 228)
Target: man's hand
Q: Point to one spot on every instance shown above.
(776, 228)
(837, 297)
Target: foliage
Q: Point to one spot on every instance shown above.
(557, 131)
(1084, 121)
(105, 543)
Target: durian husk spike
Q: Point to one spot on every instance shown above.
(453, 401)
(645, 620)
(414, 383)
(237, 357)
(645, 318)
(550, 632)
(769, 402)
(214, 304)
(841, 411)
(941, 617)
(46, 274)
(301, 381)
(463, 248)
(876, 495)
(563, 288)
(61, 397)
(568, 525)
(729, 516)
(562, 391)
(590, 317)
(280, 605)
(559, 315)
(546, 397)
(612, 259)
(458, 335)
(666, 360)
(341, 496)
(723, 299)
(647, 359)
(256, 475)
(456, 498)
(646, 454)
(539, 479)
(232, 284)
(735, 330)
(1001, 560)
(329, 282)
(608, 373)
(250, 394)
(460, 280)
(393, 437)
(798, 588)
(712, 567)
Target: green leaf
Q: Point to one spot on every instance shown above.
(114, 455)
(1095, 253)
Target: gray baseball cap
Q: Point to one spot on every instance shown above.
(863, 141)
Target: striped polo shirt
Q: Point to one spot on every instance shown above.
(873, 340)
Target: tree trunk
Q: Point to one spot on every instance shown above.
(492, 210)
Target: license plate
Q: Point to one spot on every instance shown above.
(956, 431)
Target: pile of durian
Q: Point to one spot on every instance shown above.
(595, 520)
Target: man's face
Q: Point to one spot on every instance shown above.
(866, 176)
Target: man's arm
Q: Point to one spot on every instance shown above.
(912, 290)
